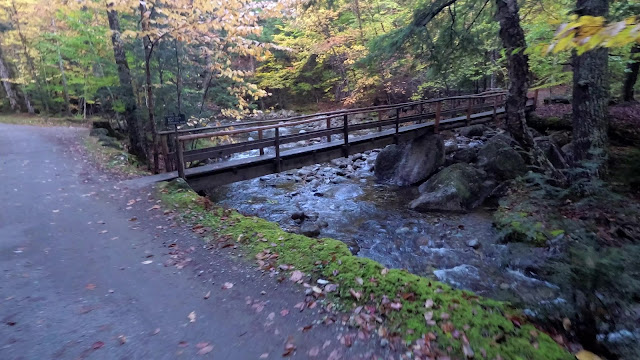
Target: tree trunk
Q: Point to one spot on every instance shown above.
(148, 51)
(590, 98)
(514, 42)
(4, 74)
(632, 74)
(136, 131)
(65, 88)
(30, 63)
(356, 8)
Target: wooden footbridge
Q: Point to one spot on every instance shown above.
(259, 148)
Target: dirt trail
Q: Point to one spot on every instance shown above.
(81, 280)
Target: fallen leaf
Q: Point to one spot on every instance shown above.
(587, 355)
(355, 294)
(330, 288)
(156, 331)
(227, 285)
(183, 344)
(296, 276)
(566, 324)
(122, 339)
(284, 312)
(207, 295)
(264, 356)
(131, 202)
(55, 211)
(104, 231)
(90, 286)
(428, 304)
(384, 271)
(205, 350)
(314, 351)
(396, 306)
(133, 219)
(154, 207)
(192, 316)
(97, 345)
(359, 280)
(289, 348)
(147, 262)
(271, 316)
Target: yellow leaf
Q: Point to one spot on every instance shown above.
(587, 355)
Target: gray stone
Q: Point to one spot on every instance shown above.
(473, 130)
(98, 132)
(473, 243)
(567, 150)
(500, 159)
(459, 187)
(179, 183)
(410, 163)
(466, 155)
(561, 138)
(310, 229)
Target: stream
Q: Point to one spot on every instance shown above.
(374, 221)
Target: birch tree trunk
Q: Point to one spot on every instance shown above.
(4, 74)
(137, 141)
(591, 97)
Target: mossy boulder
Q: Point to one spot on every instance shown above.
(459, 187)
(410, 163)
(98, 132)
(500, 159)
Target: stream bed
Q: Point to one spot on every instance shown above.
(374, 221)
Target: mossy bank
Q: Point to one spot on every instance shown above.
(457, 323)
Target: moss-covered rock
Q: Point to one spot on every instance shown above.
(459, 187)
(410, 163)
(492, 328)
(500, 159)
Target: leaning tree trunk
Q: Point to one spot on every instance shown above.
(148, 50)
(632, 74)
(590, 98)
(136, 131)
(4, 74)
(514, 42)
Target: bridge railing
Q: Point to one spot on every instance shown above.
(339, 123)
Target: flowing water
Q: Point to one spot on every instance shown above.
(373, 219)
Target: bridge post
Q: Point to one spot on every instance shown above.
(379, 120)
(535, 98)
(180, 153)
(495, 108)
(421, 111)
(328, 127)
(260, 137)
(436, 125)
(277, 146)
(395, 137)
(469, 102)
(345, 132)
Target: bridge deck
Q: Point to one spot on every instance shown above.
(230, 171)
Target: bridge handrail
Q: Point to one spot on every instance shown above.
(328, 115)
(337, 113)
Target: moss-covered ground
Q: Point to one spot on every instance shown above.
(113, 160)
(417, 309)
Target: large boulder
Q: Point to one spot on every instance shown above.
(499, 158)
(472, 130)
(98, 132)
(410, 163)
(459, 187)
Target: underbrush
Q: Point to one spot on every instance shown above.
(593, 237)
(439, 320)
(36, 120)
(115, 161)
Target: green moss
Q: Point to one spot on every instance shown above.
(113, 160)
(488, 324)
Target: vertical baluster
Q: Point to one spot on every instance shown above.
(436, 126)
(329, 128)
(277, 146)
(469, 103)
(345, 133)
(395, 137)
(260, 137)
(179, 151)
